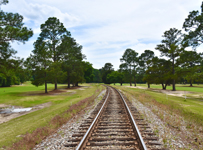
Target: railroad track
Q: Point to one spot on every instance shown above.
(114, 124)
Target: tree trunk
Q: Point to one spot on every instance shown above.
(163, 87)
(55, 83)
(68, 80)
(45, 82)
(174, 88)
(130, 82)
(45, 86)
(114, 83)
(134, 81)
(190, 82)
(76, 84)
(121, 83)
(148, 85)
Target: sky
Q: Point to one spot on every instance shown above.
(105, 28)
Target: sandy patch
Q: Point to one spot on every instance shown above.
(173, 93)
(3, 105)
(8, 116)
(139, 87)
(168, 92)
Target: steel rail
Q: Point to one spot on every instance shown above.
(91, 126)
(142, 146)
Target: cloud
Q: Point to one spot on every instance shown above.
(106, 28)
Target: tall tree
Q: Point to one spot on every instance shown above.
(52, 33)
(143, 59)
(193, 25)
(171, 47)
(39, 62)
(130, 62)
(11, 29)
(72, 60)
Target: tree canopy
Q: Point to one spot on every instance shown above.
(193, 26)
(11, 29)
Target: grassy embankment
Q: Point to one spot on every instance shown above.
(45, 118)
(190, 107)
(176, 107)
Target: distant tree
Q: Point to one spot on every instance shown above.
(107, 69)
(52, 33)
(159, 72)
(129, 64)
(120, 77)
(115, 77)
(171, 47)
(193, 26)
(189, 64)
(97, 76)
(88, 74)
(143, 59)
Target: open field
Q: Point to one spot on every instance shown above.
(26, 96)
(179, 87)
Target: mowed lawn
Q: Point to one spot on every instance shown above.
(191, 107)
(25, 96)
(179, 87)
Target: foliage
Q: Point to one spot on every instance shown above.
(171, 47)
(97, 75)
(189, 65)
(129, 64)
(159, 72)
(11, 29)
(88, 74)
(72, 61)
(107, 69)
(193, 26)
(52, 34)
(115, 77)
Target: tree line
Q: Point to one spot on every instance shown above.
(56, 58)
(176, 64)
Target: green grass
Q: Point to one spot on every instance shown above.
(22, 95)
(190, 108)
(10, 130)
(179, 87)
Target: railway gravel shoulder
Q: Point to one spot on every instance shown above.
(64, 133)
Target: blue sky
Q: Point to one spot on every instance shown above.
(105, 28)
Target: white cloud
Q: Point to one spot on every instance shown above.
(106, 28)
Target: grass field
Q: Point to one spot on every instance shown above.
(18, 95)
(179, 87)
(190, 108)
